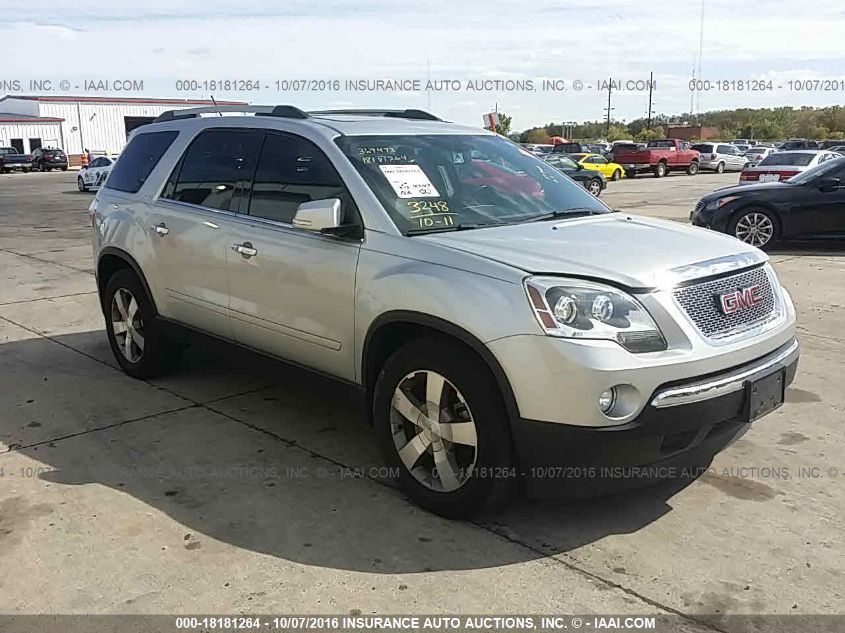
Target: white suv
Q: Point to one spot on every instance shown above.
(504, 325)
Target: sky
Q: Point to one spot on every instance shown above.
(169, 44)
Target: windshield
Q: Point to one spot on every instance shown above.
(443, 182)
(559, 161)
(799, 159)
(817, 171)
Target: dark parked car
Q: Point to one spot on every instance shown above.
(47, 158)
(592, 181)
(810, 205)
(831, 144)
(798, 143)
(571, 148)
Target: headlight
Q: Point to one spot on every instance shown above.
(572, 308)
(718, 203)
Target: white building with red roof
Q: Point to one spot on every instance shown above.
(99, 124)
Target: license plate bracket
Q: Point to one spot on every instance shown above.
(764, 394)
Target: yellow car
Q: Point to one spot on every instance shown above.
(596, 162)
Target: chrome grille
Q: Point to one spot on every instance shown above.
(701, 303)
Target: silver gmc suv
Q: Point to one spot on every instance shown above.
(506, 328)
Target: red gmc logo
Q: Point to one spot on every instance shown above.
(732, 302)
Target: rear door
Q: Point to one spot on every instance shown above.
(293, 294)
(818, 213)
(191, 226)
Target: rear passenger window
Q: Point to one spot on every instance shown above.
(215, 169)
(292, 170)
(138, 160)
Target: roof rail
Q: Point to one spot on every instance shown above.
(285, 111)
(410, 113)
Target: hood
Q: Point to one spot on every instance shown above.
(633, 251)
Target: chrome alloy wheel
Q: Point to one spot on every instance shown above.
(595, 187)
(433, 431)
(755, 229)
(127, 325)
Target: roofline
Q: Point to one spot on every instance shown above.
(72, 99)
(33, 119)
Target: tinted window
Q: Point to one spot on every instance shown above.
(704, 148)
(138, 160)
(216, 167)
(291, 171)
(797, 160)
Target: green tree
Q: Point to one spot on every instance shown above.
(504, 127)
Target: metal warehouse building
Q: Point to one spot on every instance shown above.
(100, 124)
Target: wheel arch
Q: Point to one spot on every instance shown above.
(111, 260)
(389, 331)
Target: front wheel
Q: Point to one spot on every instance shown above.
(137, 339)
(443, 428)
(64, 168)
(594, 187)
(617, 174)
(757, 227)
(81, 184)
(692, 170)
(660, 170)
(630, 174)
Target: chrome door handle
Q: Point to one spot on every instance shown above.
(161, 228)
(246, 249)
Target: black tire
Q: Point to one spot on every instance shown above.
(660, 169)
(81, 184)
(26, 170)
(720, 168)
(616, 175)
(630, 174)
(749, 211)
(493, 478)
(41, 167)
(692, 169)
(64, 168)
(159, 355)
(594, 187)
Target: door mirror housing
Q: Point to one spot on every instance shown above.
(829, 184)
(318, 216)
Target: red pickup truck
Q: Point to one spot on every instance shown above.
(659, 157)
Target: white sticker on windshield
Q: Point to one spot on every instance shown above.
(409, 181)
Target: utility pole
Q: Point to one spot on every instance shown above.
(650, 89)
(609, 109)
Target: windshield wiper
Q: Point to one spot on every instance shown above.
(566, 213)
(466, 226)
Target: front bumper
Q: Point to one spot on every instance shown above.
(678, 432)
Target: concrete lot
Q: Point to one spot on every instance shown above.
(224, 488)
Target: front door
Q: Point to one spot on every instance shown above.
(292, 291)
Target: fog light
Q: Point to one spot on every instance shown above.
(607, 399)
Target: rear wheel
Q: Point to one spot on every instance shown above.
(720, 168)
(757, 227)
(137, 339)
(660, 170)
(64, 168)
(617, 174)
(443, 427)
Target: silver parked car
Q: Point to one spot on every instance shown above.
(720, 157)
(503, 325)
(758, 153)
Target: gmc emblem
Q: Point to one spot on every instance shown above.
(740, 299)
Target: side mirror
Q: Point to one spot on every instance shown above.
(318, 216)
(829, 184)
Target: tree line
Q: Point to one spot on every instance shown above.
(770, 124)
